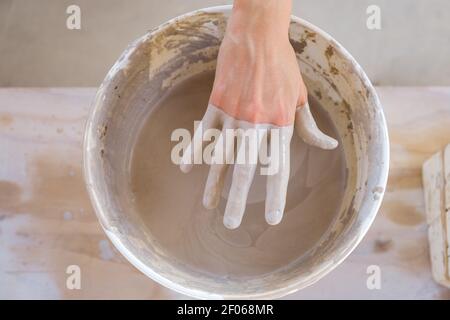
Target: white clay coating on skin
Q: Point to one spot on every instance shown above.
(243, 174)
(170, 202)
(307, 129)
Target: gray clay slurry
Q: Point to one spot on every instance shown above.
(170, 202)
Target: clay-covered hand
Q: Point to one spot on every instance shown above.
(258, 85)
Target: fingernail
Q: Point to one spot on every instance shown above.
(330, 143)
(274, 217)
(231, 223)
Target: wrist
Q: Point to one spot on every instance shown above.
(278, 6)
(260, 17)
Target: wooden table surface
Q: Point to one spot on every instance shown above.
(47, 222)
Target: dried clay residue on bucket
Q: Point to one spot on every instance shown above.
(170, 202)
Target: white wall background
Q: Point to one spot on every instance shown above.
(36, 48)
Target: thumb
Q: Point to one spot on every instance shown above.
(307, 129)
